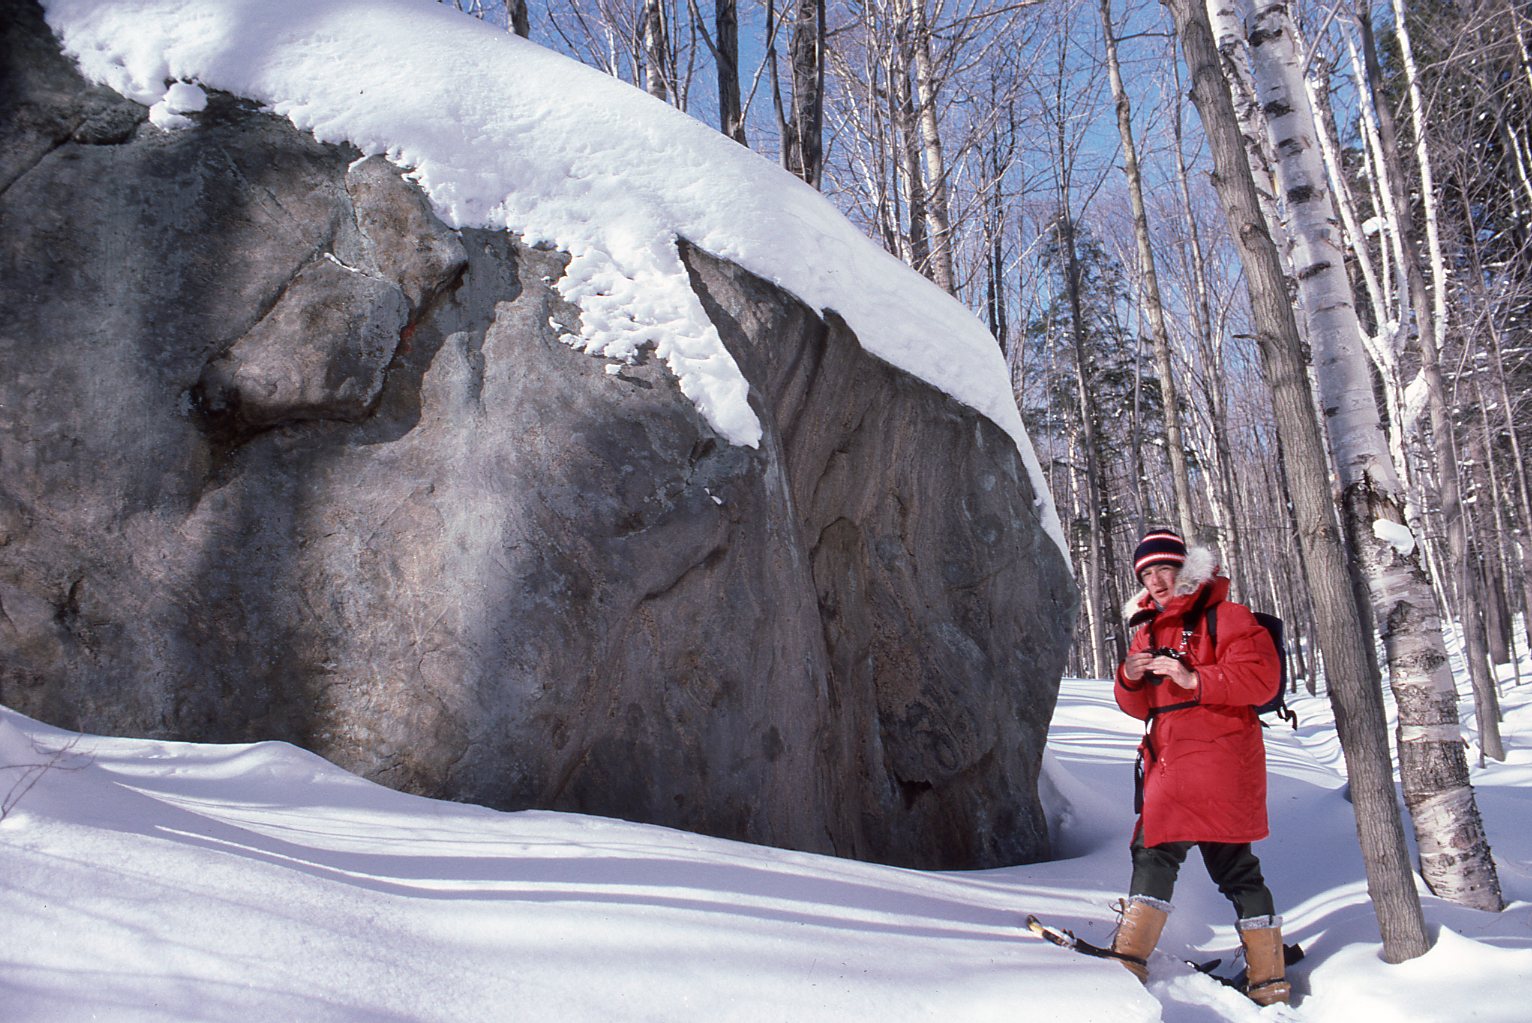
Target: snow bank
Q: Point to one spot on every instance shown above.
(162, 882)
(171, 882)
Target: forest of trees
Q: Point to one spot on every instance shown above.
(1261, 273)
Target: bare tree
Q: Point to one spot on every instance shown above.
(1358, 706)
(802, 122)
(655, 37)
(514, 13)
(927, 89)
(1454, 851)
(731, 116)
(1430, 318)
(1153, 305)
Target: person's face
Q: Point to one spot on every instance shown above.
(1160, 581)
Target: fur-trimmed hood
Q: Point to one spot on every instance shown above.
(1201, 565)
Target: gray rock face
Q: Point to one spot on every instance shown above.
(283, 457)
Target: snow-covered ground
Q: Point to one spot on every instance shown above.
(153, 881)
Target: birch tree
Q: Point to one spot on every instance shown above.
(655, 46)
(1454, 851)
(927, 87)
(1358, 707)
(1430, 314)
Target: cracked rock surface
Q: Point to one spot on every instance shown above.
(284, 457)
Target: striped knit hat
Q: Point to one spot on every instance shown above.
(1158, 547)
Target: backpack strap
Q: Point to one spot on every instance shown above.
(1200, 613)
(1197, 614)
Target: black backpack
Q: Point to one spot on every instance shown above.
(1271, 623)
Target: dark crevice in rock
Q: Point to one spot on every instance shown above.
(913, 791)
(840, 525)
(68, 611)
(708, 561)
(404, 360)
(22, 172)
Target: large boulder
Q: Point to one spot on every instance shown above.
(284, 457)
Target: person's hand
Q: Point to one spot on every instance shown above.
(1174, 669)
(1134, 665)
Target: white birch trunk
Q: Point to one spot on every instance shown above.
(1430, 315)
(1427, 180)
(1454, 852)
(1391, 248)
(654, 49)
(1229, 31)
(1352, 693)
(937, 225)
(1382, 345)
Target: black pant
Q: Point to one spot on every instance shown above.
(1233, 868)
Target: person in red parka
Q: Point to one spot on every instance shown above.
(1202, 763)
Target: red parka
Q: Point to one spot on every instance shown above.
(1205, 764)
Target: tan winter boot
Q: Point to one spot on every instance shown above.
(1138, 931)
(1265, 967)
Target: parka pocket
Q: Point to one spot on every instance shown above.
(1201, 771)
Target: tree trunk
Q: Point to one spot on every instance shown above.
(1095, 507)
(994, 225)
(1495, 577)
(731, 118)
(1306, 643)
(1454, 851)
(1521, 484)
(1358, 707)
(654, 49)
(1228, 31)
(804, 144)
(1380, 332)
(784, 132)
(1153, 308)
(918, 248)
(1444, 448)
(937, 226)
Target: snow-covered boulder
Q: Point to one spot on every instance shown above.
(283, 455)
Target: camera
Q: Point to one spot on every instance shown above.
(1162, 651)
